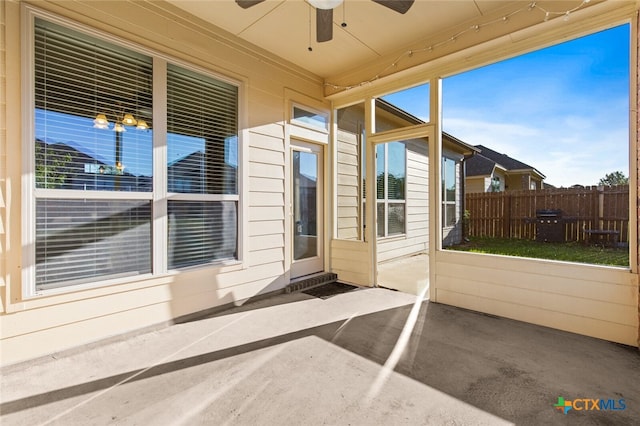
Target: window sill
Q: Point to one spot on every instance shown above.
(114, 286)
(392, 238)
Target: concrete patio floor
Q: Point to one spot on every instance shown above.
(364, 357)
(407, 274)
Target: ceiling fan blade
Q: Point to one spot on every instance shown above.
(324, 25)
(400, 6)
(245, 4)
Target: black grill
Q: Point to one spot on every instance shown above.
(549, 226)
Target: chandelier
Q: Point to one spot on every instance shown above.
(121, 121)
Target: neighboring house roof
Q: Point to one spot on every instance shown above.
(484, 162)
(479, 166)
(463, 147)
(460, 146)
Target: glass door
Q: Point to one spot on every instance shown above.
(307, 209)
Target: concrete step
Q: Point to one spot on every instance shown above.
(306, 283)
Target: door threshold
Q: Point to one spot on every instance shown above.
(312, 280)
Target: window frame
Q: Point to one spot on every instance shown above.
(446, 224)
(386, 201)
(158, 197)
(202, 197)
(496, 184)
(296, 105)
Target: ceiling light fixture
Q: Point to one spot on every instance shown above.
(128, 120)
(102, 122)
(324, 13)
(325, 4)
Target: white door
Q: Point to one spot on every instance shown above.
(307, 195)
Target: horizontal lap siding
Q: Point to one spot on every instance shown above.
(595, 301)
(266, 201)
(351, 261)
(348, 187)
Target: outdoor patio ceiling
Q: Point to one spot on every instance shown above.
(374, 36)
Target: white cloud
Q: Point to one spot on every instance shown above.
(567, 150)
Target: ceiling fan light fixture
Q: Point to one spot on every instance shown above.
(325, 4)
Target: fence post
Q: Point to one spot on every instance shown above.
(506, 215)
(596, 207)
(600, 207)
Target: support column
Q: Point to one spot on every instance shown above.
(637, 118)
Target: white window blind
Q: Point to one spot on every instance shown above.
(84, 230)
(78, 78)
(93, 185)
(78, 241)
(391, 163)
(202, 157)
(201, 232)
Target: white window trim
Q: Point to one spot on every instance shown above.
(454, 202)
(322, 113)
(158, 197)
(386, 201)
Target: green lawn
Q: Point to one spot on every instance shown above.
(571, 252)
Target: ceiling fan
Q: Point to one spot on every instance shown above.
(324, 12)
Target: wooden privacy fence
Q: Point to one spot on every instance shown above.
(512, 214)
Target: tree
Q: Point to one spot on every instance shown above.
(51, 166)
(615, 178)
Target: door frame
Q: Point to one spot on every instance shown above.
(315, 264)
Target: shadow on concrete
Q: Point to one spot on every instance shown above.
(513, 370)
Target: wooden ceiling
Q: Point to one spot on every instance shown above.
(373, 33)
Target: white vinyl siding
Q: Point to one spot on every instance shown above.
(585, 299)
(348, 197)
(266, 203)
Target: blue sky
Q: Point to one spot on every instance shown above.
(563, 110)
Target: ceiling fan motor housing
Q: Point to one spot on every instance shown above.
(324, 13)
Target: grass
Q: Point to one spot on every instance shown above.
(570, 252)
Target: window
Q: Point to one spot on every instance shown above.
(308, 118)
(390, 188)
(85, 228)
(94, 189)
(496, 186)
(448, 192)
(202, 168)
